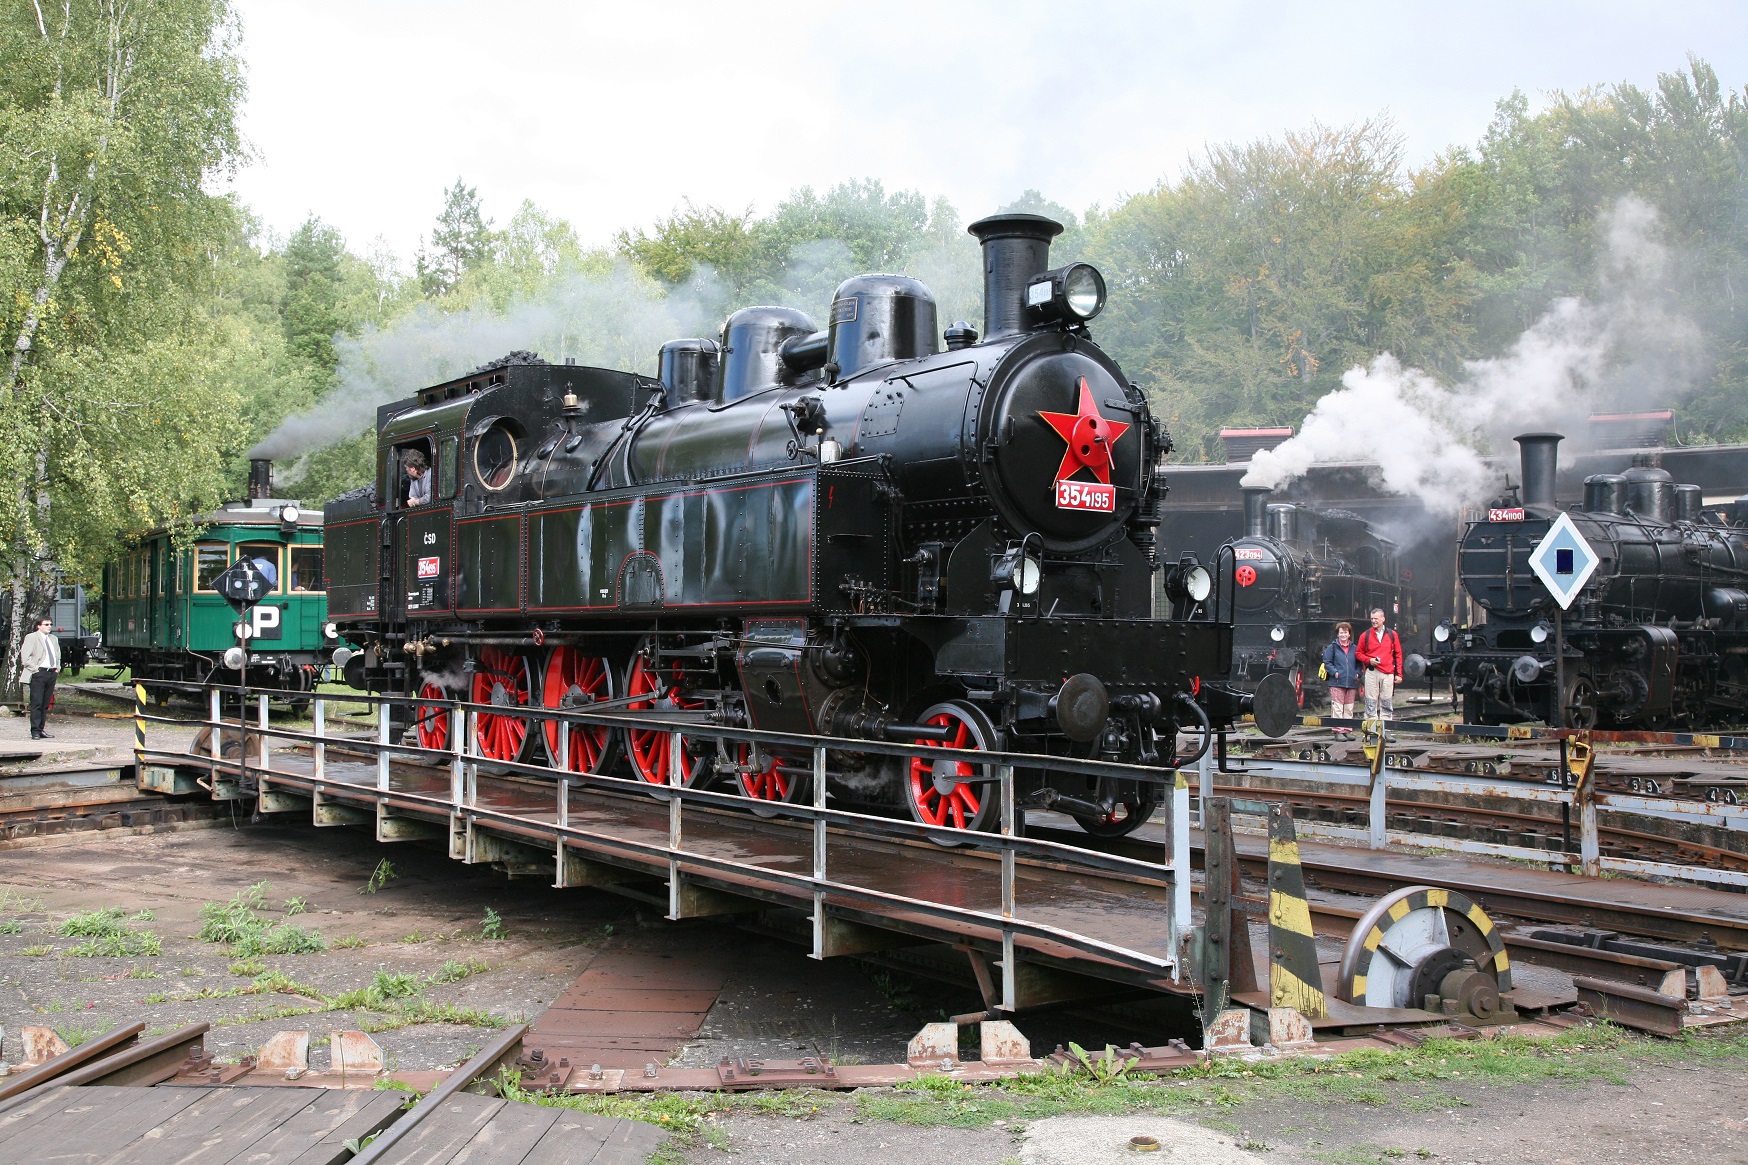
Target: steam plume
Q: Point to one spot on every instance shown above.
(1429, 439)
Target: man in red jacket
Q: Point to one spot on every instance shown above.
(1380, 653)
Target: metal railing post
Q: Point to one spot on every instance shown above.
(676, 747)
(470, 770)
(564, 745)
(383, 720)
(818, 851)
(1204, 784)
(1179, 859)
(1009, 984)
(457, 770)
(319, 749)
(217, 727)
(266, 741)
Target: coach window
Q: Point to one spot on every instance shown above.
(210, 560)
(306, 568)
(268, 556)
(448, 467)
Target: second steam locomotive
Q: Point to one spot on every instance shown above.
(1657, 637)
(855, 532)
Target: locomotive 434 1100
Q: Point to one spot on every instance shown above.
(854, 532)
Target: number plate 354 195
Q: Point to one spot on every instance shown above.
(1086, 495)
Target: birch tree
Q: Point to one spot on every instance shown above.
(114, 115)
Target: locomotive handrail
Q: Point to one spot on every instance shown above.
(642, 718)
(460, 801)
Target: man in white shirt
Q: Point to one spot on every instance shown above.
(39, 663)
(418, 478)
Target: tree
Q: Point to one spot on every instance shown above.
(115, 114)
(314, 277)
(461, 242)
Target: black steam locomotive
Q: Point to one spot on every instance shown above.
(1657, 637)
(848, 532)
(1297, 573)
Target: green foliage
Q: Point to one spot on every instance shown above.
(461, 241)
(295, 906)
(248, 936)
(107, 936)
(379, 877)
(492, 926)
(453, 970)
(37, 951)
(11, 926)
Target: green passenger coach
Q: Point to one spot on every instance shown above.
(163, 620)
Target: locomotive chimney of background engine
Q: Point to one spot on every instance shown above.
(1016, 250)
(1256, 500)
(260, 478)
(1539, 454)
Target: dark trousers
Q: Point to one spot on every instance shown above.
(42, 690)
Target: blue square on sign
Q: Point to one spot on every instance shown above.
(1563, 560)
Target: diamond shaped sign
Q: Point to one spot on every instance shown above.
(1564, 561)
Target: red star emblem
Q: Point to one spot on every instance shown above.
(1089, 436)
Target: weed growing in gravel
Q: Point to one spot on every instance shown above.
(386, 986)
(107, 936)
(38, 950)
(248, 967)
(454, 969)
(491, 927)
(379, 877)
(418, 936)
(349, 943)
(78, 1033)
(295, 906)
(11, 926)
(12, 902)
(141, 973)
(237, 925)
(143, 916)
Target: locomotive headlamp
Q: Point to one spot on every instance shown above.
(1442, 633)
(342, 656)
(234, 658)
(1075, 293)
(1017, 571)
(1540, 632)
(289, 515)
(1278, 633)
(331, 630)
(1188, 579)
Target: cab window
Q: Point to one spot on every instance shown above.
(268, 557)
(306, 568)
(448, 467)
(210, 560)
(406, 456)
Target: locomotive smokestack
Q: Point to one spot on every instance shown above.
(1540, 457)
(1016, 250)
(1256, 500)
(260, 478)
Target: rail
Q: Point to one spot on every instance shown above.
(1572, 789)
(841, 864)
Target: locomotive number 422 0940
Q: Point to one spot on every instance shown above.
(1086, 495)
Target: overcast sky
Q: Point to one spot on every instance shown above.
(609, 114)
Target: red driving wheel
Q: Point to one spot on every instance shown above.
(648, 687)
(936, 797)
(574, 679)
(503, 680)
(432, 724)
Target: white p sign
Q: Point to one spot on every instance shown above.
(264, 621)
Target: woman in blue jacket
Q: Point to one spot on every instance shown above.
(1341, 668)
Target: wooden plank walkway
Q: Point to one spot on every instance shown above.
(478, 1130)
(303, 1126)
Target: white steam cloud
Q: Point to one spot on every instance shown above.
(1429, 439)
(618, 320)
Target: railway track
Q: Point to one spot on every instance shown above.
(1530, 829)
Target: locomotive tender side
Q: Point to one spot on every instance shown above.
(847, 532)
(1657, 637)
